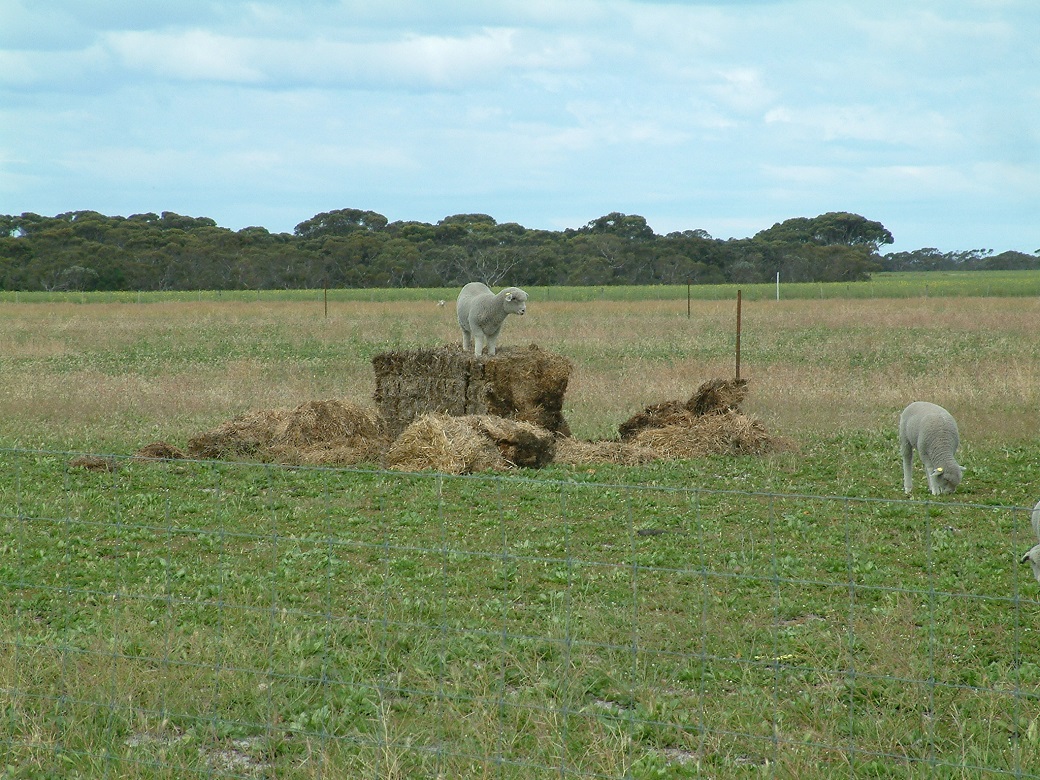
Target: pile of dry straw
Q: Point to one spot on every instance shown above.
(340, 432)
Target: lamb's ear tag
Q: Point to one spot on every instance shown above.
(509, 296)
(938, 470)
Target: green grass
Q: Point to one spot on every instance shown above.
(193, 619)
(788, 616)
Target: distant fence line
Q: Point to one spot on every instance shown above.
(937, 284)
(179, 618)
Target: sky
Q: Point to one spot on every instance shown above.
(726, 117)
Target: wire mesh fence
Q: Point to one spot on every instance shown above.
(208, 619)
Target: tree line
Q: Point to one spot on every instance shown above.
(86, 250)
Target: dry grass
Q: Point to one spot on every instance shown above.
(121, 375)
(819, 366)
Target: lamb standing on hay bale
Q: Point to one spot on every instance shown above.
(1033, 556)
(932, 431)
(482, 312)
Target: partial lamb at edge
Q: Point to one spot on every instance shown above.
(1033, 556)
(932, 431)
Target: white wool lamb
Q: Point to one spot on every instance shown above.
(932, 431)
(481, 314)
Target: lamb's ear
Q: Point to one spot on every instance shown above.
(938, 472)
(509, 296)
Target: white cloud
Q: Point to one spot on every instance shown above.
(742, 89)
(737, 114)
(870, 123)
(409, 60)
(190, 56)
(60, 70)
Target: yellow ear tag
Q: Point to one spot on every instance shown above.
(939, 470)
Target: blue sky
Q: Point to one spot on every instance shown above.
(720, 116)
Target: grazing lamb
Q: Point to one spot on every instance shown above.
(481, 314)
(932, 431)
(1033, 556)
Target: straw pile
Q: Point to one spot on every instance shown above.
(316, 432)
(431, 394)
(94, 463)
(574, 452)
(463, 445)
(708, 423)
(716, 396)
(160, 450)
(728, 433)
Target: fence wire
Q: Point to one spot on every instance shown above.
(205, 619)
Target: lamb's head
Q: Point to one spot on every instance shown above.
(948, 477)
(1033, 559)
(514, 300)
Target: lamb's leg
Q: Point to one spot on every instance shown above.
(908, 468)
(467, 341)
(933, 482)
(492, 342)
(478, 343)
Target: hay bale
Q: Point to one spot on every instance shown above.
(518, 383)
(323, 432)
(527, 384)
(463, 445)
(330, 433)
(729, 433)
(160, 450)
(573, 452)
(411, 383)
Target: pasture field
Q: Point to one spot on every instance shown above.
(784, 616)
